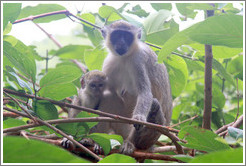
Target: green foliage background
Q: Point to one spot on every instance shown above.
(181, 51)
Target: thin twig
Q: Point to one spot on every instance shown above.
(162, 129)
(166, 149)
(61, 133)
(80, 65)
(26, 111)
(49, 35)
(190, 119)
(67, 13)
(223, 128)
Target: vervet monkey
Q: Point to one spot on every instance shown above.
(139, 87)
(90, 93)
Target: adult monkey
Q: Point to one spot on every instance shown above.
(139, 87)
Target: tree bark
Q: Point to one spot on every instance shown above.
(208, 83)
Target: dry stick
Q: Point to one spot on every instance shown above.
(49, 35)
(223, 128)
(59, 132)
(58, 142)
(161, 129)
(166, 149)
(237, 124)
(208, 83)
(185, 121)
(29, 115)
(10, 114)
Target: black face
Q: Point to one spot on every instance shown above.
(121, 41)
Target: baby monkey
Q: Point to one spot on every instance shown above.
(91, 92)
(89, 95)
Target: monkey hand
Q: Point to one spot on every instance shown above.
(127, 148)
(67, 144)
(140, 118)
(88, 142)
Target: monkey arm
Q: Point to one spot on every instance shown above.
(145, 97)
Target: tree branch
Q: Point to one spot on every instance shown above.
(208, 83)
(162, 129)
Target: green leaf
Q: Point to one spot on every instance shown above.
(72, 52)
(11, 73)
(200, 6)
(41, 9)
(178, 74)
(212, 32)
(183, 9)
(45, 110)
(61, 75)
(94, 35)
(21, 61)
(84, 114)
(184, 158)
(94, 58)
(33, 151)
(174, 42)
(110, 13)
(58, 91)
(7, 29)
(74, 129)
(89, 17)
(201, 139)
(218, 98)
(235, 132)
(137, 10)
(225, 156)
(235, 67)
(10, 12)
(117, 158)
(159, 6)
(102, 141)
(10, 122)
(158, 31)
(21, 47)
(218, 51)
(222, 71)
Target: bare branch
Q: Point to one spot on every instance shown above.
(208, 83)
(185, 121)
(162, 129)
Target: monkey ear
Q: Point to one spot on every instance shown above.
(82, 82)
(139, 33)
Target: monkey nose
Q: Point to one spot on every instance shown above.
(121, 51)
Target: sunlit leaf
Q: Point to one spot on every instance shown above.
(33, 151)
(45, 110)
(61, 75)
(10, 12)
(201, 139)
(225, 156)
(224, 30)
(58, 91)
(117, 158)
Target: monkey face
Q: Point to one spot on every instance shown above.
(96, 88)
(121, 41)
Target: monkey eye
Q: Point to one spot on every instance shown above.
(93, 86)
(100, 85)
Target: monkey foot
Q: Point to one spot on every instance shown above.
(127, 148)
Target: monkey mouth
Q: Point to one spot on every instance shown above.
(121, 51)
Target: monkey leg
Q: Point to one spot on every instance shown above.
(145, 137)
